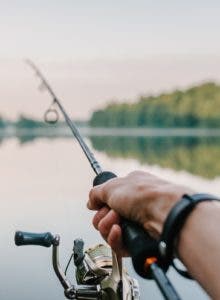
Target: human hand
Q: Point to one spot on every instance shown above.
(140, 197)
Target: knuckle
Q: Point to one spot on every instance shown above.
(108, 187)
(134, 173)
(137, 173)
(95, 222)
(115, 217)
(91, 194)
(103, 228)
(152, 193)
(105, 189)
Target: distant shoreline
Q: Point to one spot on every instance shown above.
(151, 131)
(91, 131)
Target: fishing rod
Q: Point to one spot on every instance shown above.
(142, 248)
(93, 162)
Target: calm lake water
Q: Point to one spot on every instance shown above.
(44, 187)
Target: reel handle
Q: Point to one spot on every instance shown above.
(138, 242)
(38, 239)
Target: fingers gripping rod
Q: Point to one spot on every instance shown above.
(93, 162)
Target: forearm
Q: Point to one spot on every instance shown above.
(199, 245)
(147, 200)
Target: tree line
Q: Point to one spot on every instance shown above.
(198, 106)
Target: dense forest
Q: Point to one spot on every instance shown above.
(198, 106)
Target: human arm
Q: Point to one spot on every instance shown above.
(199, 246)
(147, 200)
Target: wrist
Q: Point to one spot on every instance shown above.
(176, 220)
(165, 199)
(192, 224)
(198, 246)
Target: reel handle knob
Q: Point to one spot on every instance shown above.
(38, 239)
(138, 242)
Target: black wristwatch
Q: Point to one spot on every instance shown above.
(175, 221)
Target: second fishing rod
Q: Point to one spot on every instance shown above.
(142, 248)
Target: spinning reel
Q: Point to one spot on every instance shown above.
(98, 272)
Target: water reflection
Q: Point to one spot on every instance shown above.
(44, 187)
(196, 155)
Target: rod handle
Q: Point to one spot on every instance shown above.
(140, 246)
(103, 177)
(22, 238)
(138, 242)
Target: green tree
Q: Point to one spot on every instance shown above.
(198, 106)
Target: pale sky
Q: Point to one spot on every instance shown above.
(94, 51)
